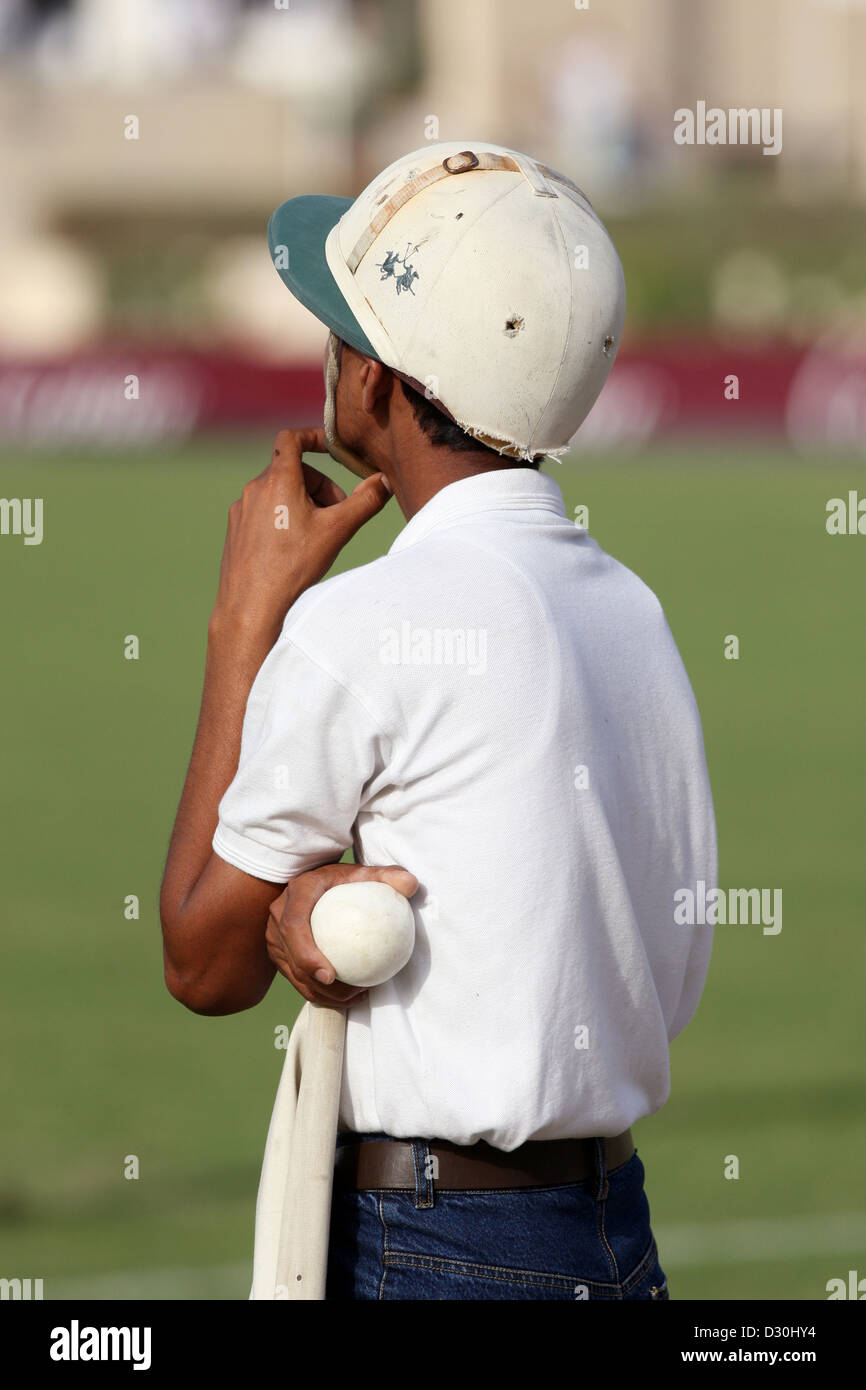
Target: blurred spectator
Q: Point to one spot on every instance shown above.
(590, 110)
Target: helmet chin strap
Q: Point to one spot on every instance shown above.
(336, 448)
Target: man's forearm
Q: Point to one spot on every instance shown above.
(198, 926)
(231, 667)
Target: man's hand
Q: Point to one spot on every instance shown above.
(284, 533)
(290, 941)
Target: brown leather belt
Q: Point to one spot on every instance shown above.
(388, 1164)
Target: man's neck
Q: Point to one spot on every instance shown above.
(432, 469)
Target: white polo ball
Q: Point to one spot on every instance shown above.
(366, 930)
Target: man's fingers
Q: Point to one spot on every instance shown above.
(307, 960)
(285, 459)
(320, 993)
(303, 982)
(336, 993)
(363, 502)
(315, 993)
(292, 911)
(289, 445)
(322, 489)
(329, 876)
(296, 920)
(401, 879)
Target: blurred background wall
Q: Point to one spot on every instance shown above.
(144, 146)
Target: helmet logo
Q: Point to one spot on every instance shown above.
(389, 267)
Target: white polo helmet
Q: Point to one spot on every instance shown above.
(482, 277)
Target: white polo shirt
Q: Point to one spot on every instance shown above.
(499, 706)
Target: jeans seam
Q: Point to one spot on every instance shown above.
(501, 1273)
(384, 1247)
(644, 1264)
(604, 1240)
(509, 1273)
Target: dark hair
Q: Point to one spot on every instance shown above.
(442, 431)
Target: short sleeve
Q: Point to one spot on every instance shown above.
(310, 748)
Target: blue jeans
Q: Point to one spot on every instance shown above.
(576, 1241)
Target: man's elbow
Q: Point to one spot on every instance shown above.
(195, 995)
(202, 994)
(213, 964)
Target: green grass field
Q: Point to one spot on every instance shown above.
(98, 1062)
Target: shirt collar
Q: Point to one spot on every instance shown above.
(502, 489)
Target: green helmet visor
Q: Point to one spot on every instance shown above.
(297, 233)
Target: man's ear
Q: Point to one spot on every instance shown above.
(376, 382)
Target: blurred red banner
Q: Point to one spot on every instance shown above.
(135, 396)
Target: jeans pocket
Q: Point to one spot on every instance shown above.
(648, 1281)
(411, 1276)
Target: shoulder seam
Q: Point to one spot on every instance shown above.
(344, 684)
